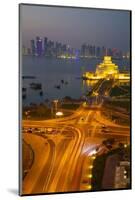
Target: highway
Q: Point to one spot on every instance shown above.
(68, 153)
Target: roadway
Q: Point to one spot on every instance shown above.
(70, 148)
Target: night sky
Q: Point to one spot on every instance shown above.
(76, 26)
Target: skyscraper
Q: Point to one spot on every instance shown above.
(33, 48)
(93, 51)
(45, 45)
(103, 51)
(83, 49)
(98, 52)
(109, 52)
(90, 50)
(39, 47)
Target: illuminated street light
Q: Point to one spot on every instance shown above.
(26, 113)
(55, 105)
(95, 94)
(59, 114)
(84, 103)
(90, 176)
(93, 157)
(89, 187)
(91, 166)
(125, 177)
(55, 101)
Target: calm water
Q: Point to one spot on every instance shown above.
(50, 72)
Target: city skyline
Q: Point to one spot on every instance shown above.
(76, 100)
(47, 47)
(110, 28)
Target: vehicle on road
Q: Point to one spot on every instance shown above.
(103, 126)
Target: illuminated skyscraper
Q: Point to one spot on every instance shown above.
(39, 47)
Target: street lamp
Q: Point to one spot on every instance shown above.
(89, 187)
(91, 167)
(59, 114)
(93, 157)
(125, 145)
(56, 104)
(96, 95)
(90, 176)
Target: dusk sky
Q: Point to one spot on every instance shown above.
(76, 26)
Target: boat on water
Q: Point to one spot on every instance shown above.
(24, 96)
(36, 86)
(57, 86)
(24, 89)
(41, 93)
(28, 77)
(66, 82)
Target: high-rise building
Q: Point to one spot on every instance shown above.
(98, 52)
(87, 50)
(45, 45)
(24, 51)
(39, 47)
(93, 51)
(83, 47)
(59, 48)
(64, 48)
(120, 54)
(33, 48)
(103, 53)
(29, 51)
(49, 48)
(90, 50)
(109, 52)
